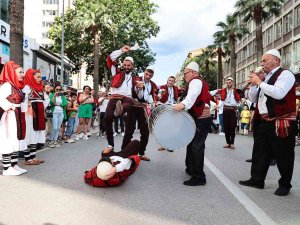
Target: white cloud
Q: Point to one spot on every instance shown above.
(185, 25)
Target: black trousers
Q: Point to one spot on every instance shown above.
(131, 149)
(268, 146)
(109, 116)
(194, 160)
(230, 122)
(133, 115)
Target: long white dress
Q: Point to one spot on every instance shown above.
(33, 136)
(8, 124)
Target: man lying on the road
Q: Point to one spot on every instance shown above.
(114, 167)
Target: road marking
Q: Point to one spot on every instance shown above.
(259, 214)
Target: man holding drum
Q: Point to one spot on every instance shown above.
(145, 92)
(196, 102)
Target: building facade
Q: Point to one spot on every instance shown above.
(39, 16)
(281, 32)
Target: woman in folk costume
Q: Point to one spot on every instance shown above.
(35, 116)
(12, 123)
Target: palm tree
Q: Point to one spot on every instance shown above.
(219, 44)
(206, 59)
(92, 16)
(232, 31)
(258, 10)
(16, 30)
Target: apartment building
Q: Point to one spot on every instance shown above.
(39, 16)
(281, 32)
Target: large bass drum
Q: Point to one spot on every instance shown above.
(172, 130)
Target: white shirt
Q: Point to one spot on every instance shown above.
(221, 105)
(230, 100)
(195, 88)
(123, 165)
(145, 94)
(103, 105)
(171, 99)
(278, 91)
(125, 88)
(58, 108)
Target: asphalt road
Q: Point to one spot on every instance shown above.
(54, 193)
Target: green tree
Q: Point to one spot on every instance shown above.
(258, 10)
(16, 30)
(97, 27)
(219, 44)
(233, 31)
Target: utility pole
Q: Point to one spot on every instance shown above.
(62, 43)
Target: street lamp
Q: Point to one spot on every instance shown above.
(62, 43)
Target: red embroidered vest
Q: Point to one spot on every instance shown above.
(91, 178)
(237, 97)
(165, 96)
(277, 108)
(204, 97)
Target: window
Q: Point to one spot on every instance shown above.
(264, 39)
(47, 24)
(296, 52)
(287, 23)
(4, 13)
(50, 1)
(287, 57)
(278, 30)
(45, 35)
(269, 35)
(250, 49)
(297, 16)
(50, 12)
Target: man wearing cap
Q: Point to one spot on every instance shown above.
(196, 102)
(275, 118)
(168, 94)
(145, 92)
(122, 84)
(230, 98)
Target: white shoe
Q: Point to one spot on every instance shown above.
(89, 134)
(77, 137)
(122, 134)
(98, 134)
(81, 135)
(71, 140)
(221, 134)
(85, 138)
(16, 167)
(115, 134)
(51, 144)
(56, 144)
(11, 172)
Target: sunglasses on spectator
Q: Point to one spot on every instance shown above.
(58, 89)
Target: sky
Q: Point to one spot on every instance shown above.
(185, 25)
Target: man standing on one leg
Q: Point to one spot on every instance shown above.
(121, 90)
(197, 103)
(275, 118)
(146, 93)
(230, 98)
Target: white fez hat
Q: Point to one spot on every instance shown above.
(274, 52)
(128, 58)
(230, 78)
(193, 66)
(103, 169)
(150, 68)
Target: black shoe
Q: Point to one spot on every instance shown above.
(169, 150)
(188, 172)
(194, 182)
(252, 183)
(282, 190)
(273, 162)
(249, 160)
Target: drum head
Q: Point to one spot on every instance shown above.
(174, 130)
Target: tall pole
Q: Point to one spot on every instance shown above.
(62, 43)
